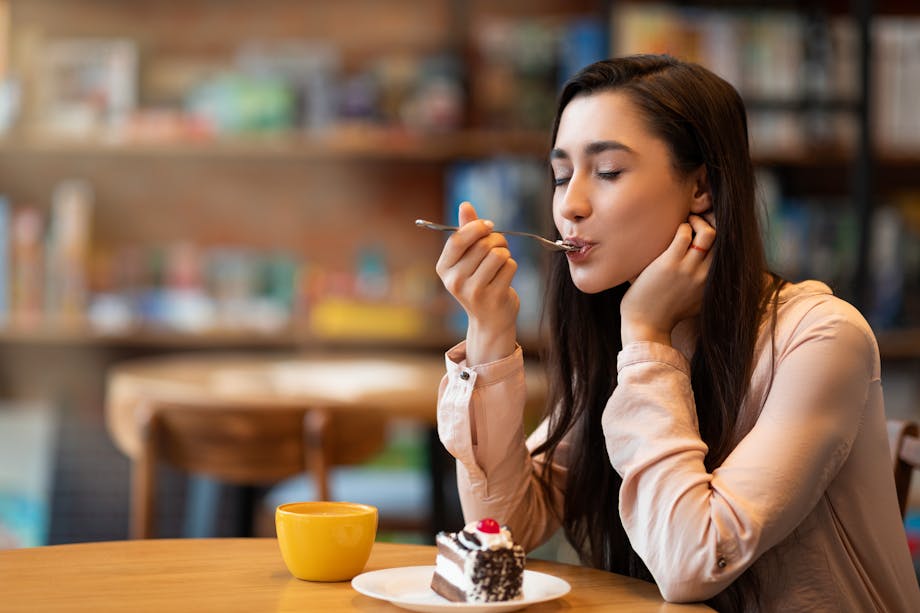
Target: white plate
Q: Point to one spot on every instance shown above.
(409, 587)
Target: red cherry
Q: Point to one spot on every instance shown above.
(488, 525)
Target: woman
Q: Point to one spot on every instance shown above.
(712, 427)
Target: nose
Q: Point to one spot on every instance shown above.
(575, 203)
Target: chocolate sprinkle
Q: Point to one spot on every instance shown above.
(497, 574)
(471, 537)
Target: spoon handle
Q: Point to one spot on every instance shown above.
(556, 246)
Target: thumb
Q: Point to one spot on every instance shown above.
(466, 214)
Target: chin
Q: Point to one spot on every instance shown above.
(591, 284)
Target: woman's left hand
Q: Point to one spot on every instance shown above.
(670, 289)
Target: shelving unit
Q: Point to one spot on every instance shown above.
(290, 338)
(899, 344)
(343, 145)
(149, 187)
(221, 160)
(382, 145)
(375, 150)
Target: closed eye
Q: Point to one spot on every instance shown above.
(610, 174)
(559, 181)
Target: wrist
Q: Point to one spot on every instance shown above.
(635, 332)
(485, 345)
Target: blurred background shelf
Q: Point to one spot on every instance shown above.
(287, 338)
(385, 145)
(894, 344)
(360, 143)
(899, 344)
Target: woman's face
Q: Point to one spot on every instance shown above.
(617, 194)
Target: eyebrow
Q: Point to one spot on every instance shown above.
(593, 148)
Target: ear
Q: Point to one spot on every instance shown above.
(702, 195)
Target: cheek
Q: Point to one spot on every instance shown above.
(642, 231)
(647, 243)
(558, 221)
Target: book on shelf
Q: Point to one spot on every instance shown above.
(583, 41)
(808, 238)
(896, 86)
(520, 63)
(10, 84)
(817, 238)
(779, 60)
(5, 40)
(68, 247)
(27, 274)
(5, 263)
(895, 263)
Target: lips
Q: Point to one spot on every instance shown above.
(584, 246)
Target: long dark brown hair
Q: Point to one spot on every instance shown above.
(702, 120)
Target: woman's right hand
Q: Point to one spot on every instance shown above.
(476, 268)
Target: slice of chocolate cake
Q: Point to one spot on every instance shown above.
(481, 563)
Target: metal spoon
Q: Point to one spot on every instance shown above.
(559, 245)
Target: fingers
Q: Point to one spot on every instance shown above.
(466, 214)
(704, 235)
(481, 279)
(505, 274)
(472, 229)
(696, 236)
(483, 252)
(466, 248)
(491, 265)
(474, 256)
(681, 241)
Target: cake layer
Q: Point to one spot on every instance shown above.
(447, 589)
(450, 580)
(451, 549)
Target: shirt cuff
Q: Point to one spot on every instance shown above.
(482, 374)
(646, 351)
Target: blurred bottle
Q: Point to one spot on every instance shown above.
(372, 281)
(5, 264)
(10, 97)
(68, 252)
(26, 303)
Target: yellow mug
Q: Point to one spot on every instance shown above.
(325, 541)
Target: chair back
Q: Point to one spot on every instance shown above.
(904, 444)
(254, 445)
(244, 445)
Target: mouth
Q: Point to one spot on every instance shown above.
(581, 245)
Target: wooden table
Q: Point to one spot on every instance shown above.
(248, 575)
(397, 385)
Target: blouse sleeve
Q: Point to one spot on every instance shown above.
(480, 422)
(697, 531)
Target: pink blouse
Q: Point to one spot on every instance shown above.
(807, 497)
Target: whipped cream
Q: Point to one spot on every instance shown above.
(501, 540)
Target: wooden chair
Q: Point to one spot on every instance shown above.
(904, 444)
(244, 446)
